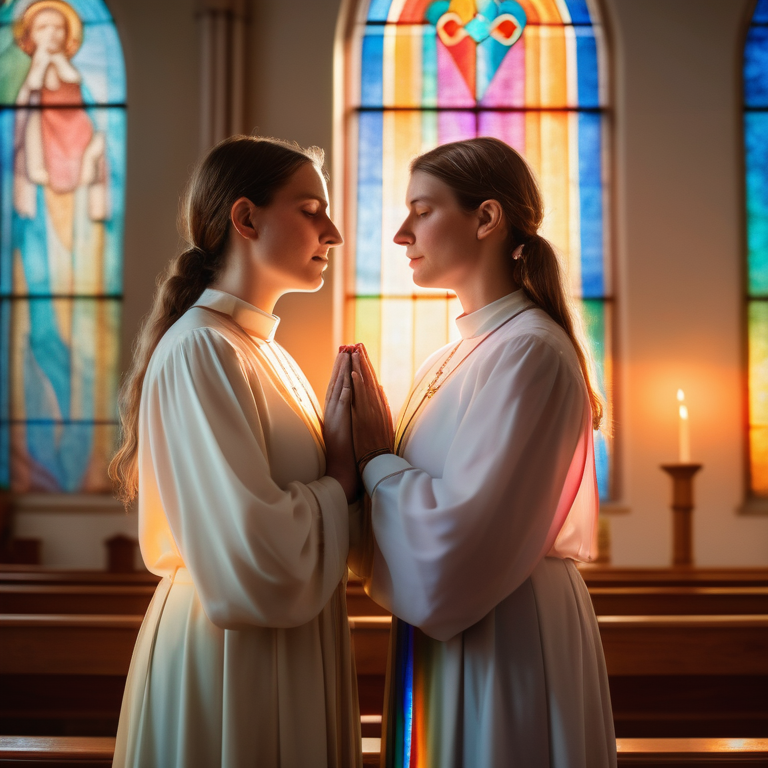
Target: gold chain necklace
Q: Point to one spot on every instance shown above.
(286, 379)
(433, 386)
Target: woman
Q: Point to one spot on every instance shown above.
(243, 657)
(490, 494)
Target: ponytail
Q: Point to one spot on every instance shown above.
(539, 273)
(488, 169)
(240, 166)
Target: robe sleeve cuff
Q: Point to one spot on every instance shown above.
(382, 467)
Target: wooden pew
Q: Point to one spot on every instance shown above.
(50, 752)
(678, 600)
(45, 598)
(655, 600)
(679, 576)
(17, 574)
(75, 598)
(614, 591)
(683, 675)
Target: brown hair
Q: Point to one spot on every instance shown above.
(240, 166)
(488, 169)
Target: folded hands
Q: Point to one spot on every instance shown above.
(358, 423)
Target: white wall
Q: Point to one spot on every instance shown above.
(680, 257)
(678, 198)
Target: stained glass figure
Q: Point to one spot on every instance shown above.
(756, 156)
(62, 167)
(529, 72)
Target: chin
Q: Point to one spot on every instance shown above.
(312, 286)
(423, 281)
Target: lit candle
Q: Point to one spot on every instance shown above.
(685, 436)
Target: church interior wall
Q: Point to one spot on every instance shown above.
(677, 234)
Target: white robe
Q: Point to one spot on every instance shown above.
(244, 655)
(476, 525)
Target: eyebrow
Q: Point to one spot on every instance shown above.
(310, 196)
(420, 200)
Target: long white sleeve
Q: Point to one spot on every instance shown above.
(451, 548)
(259, 554)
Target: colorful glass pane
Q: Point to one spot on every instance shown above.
(62, 180)
(756, 166)
(436, 71)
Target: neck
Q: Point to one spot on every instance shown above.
(485, 285)
(239, 278)
(257, 296)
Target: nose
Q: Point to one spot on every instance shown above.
(403, 236)
(333, 236)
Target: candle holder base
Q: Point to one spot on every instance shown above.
(682, 511)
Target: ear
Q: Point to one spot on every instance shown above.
(490, 219)
(244, 218)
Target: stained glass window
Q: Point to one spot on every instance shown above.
(62, 171)
(431, 72)
(756, 151)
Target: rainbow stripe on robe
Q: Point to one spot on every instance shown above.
(407, 738)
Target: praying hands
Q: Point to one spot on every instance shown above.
(371, 419)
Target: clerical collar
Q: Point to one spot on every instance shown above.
(492, 315)
(253, 320)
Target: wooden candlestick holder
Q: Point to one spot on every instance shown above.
(682, 511)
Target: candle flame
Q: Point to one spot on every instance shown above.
(683, 412)
(680, 395)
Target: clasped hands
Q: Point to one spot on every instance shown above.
(358, 423)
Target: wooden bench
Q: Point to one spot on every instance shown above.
(75, 598)
(669, 675)
(679, 576)
(679, 601)
(632, 600)
(614, 591)
(45, 751)
(16, 574)
(45, 598)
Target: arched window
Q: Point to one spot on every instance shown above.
(62, 172)
(756, 156)
(427, 72)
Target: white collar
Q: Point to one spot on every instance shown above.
(253, 320)
(492, 315)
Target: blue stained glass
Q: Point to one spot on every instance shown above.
(756, 145)
(761, 12)
(756, 67)
(7, 126)
(579, 11)
(595, 321)
(5, 400)
(587, 72)
(372, 68)
(369, 206)
(429, 70)
(62, 205)
(591, 203)
(101, 46)
(379, 10)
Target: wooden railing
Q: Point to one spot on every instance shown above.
(51, 752)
